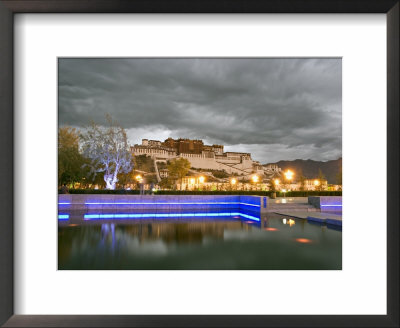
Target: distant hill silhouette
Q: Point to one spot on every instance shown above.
(310, 168)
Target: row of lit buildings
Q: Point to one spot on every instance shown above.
(234, 183)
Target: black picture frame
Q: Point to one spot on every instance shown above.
(10, 7)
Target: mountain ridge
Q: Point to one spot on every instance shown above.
(310, 168)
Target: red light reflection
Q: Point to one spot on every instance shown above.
(303, 240)
(271, 229)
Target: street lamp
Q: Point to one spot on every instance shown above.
(233, 182)
(274, 188)
(316, 183)
(139, 179)
(255, 180)
(289, 175)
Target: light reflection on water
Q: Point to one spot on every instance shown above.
(198, 243)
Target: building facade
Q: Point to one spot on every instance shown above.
(200, 156)
(308, 185)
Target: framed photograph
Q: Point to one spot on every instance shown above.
(204, 168)
(199, 164)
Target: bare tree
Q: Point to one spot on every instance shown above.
(108, 150)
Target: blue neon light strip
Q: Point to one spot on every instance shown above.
(64, 203)
(220, 203)
(328, 205)
(162, 215)
(63, 216)
(249, 217)
(249, 204)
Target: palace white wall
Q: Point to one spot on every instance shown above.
(231, 164)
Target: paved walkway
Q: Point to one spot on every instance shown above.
(288, 200)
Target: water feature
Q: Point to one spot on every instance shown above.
(216, 238)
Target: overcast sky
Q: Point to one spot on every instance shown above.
(277, 109)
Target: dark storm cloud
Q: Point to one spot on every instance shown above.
(290, 105)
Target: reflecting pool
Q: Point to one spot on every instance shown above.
(198, 241)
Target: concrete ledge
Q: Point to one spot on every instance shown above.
(334, 222)
(326, 203)
(315, 219)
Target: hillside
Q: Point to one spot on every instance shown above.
(310, 168)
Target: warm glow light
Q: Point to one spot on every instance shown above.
(192, 181)
(139, 178)
(255, 178)
(202, 179)
(289, 175)
(291, 222)
(233, 181)
(271, 229)
(316, 182)
(277, 181)
(303, 240)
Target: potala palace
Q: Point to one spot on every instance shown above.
(201, 156)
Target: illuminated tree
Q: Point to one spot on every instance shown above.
(166, 183)
(108, 150)
(126, 178)
(178, 168)
(321, 179)
(70, 161)
(339, 177)
(302, 180)
(271, 185)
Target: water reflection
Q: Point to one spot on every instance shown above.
(290, 222)
(196, 243)
(271, 229)
(108, 234)
(303, 240)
